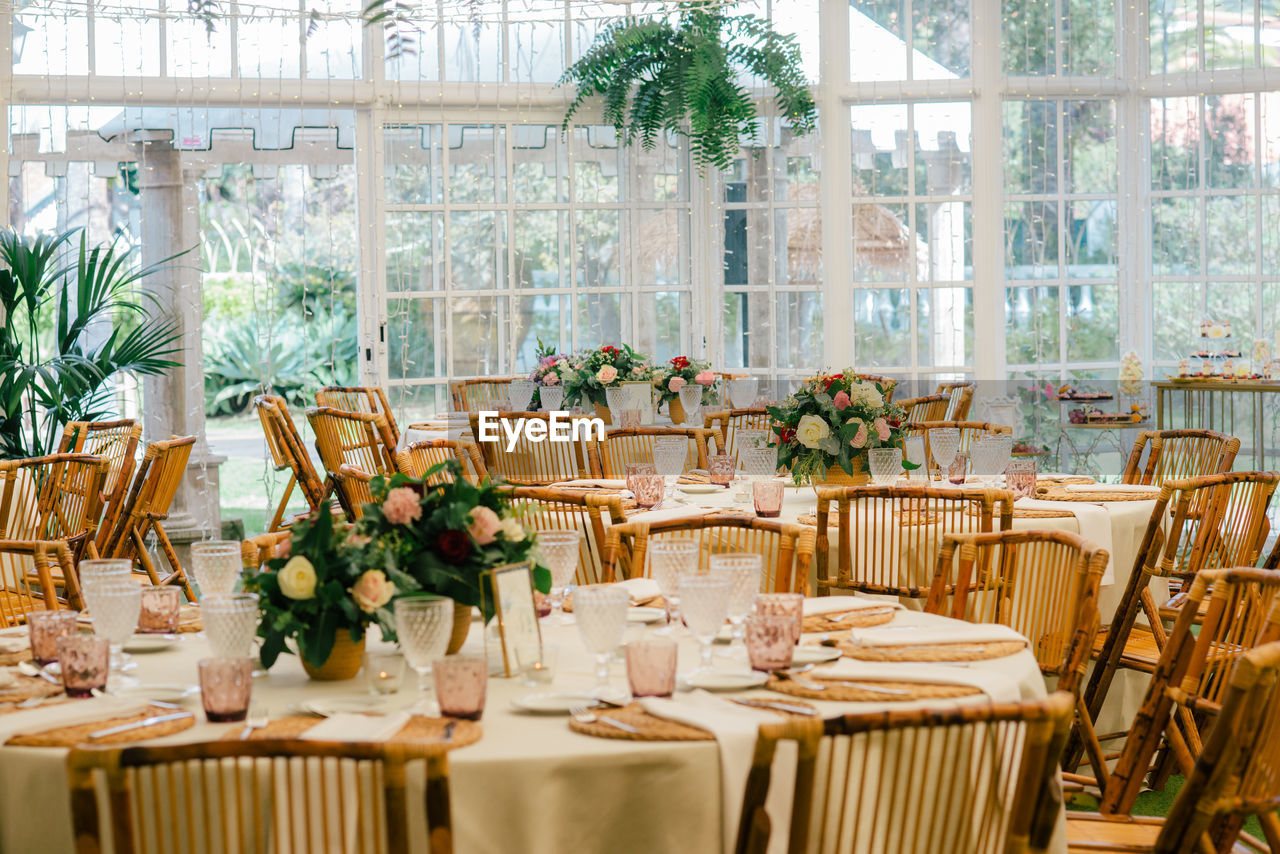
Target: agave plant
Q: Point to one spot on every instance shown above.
(656, 77)
(68, 330)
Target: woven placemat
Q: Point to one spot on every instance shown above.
(418, 728)
(931, 652)
(652, 728)
(811, 519)
(1071, 478)
(864, 691)
(1050, 493)
(1035, 513)
(70, 736)
(856, 618)
(8, 659)
(25, 688)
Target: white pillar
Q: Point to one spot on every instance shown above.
(173, 403)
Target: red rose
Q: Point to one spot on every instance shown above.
(680, 362)
(787, 434)
(609, 349)
(453, 546)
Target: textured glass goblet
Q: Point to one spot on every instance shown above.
(742, 392)
(885, 465)
(669, 557)
(691, 400)
(943, 444)
(423, 625)
(215, 565)
(114, 606)
(669, 455)
(704, 600)
(559, 551)
(230, 623)
(984, 459)
(90, 572)
(521, 394)
(551, 398)
(601, 613)
(617, 399)
(743, 572)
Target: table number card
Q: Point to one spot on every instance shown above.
(517, 616)
(640, 396)
(913, 452)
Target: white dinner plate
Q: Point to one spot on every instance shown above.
(356, 704)
(699, 488)
(165, 692)
(150, 643)
(1111, 487)
(645, 614)
(551, 702)
(809, 654)
(726, 680)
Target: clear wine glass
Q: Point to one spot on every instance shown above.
(669, 455)
(114, 605)
(423, 625)
(984, 459)
(521, 393)
(742, 392)
(705, 602)
(885, 465)
(617, 399)
(691, 400)
(559, 550)
(551, 398)
(601, 613)
(90, 572)
(215, 565)
(230, 623)
(743, 572)
(669, 557)
(1003, 453)
(943, 444)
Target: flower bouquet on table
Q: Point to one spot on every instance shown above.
(682, 372)
(321, 595)
(597, 370)
(824, 430)
(440, 539)
(551, 371)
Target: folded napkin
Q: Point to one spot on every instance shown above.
(680, 511)
(641, 589)
(735, 728)
(10, 645)
(1112, 487)
(351, 727)
(595, 483)
(72, 713)
(1093, 520)
(838, 604)
(995, 682)
(955, 631)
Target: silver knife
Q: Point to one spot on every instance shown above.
(777, 707)
(448, 731)
(145, 722)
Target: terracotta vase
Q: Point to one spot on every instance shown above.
(461, 625)
(343, 662)
(602, 412)
(675, 409)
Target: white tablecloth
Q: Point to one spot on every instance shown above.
(529, 785)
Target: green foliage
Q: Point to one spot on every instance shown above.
(657, 77)
(581, 378)
(103, 326)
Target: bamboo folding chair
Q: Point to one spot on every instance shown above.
(590, 512)
(367, 399)
(1237, 775)
(258, 797)
(1191, 678)
(256, 551)
(288, 452)
(417, 459)
(977, 779)
(624, 445)
(889, 536)
(970, 431)
(147, 507)
(961, 399)
(787, 548)
(1213, 522)
(1043, 585)
(728, 422)
(480, 394)
(359, 439)
(354, 483)
(47, 510)
(529, 463)
(931, 407)
(117, 443)
(1175, 454)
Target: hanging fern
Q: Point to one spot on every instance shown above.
(655, 77)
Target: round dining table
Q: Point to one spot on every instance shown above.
(529, 785)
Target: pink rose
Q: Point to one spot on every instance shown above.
(551, 379)
(284, 548)
(484, 526)
(607, 374)
(676, 384)
(372, 591)
(841, 400)
(859, 439)
(705, 378)
(401, 506)
(882, 429)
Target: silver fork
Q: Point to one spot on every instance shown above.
(257, 718)
(583, 715)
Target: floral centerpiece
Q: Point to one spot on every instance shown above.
(320, 594)
(829, 425)
(552, 369)
(597, 370)
(678, 373)
(440, 539)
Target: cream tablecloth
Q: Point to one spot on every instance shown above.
(530, 785)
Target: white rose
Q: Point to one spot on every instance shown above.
(512, 529)
(866, 394)
(812, 430)
(298, 578)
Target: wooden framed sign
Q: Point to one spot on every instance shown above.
(518, 634)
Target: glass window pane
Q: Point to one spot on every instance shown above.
(1174, 46)
(1089, 131)
(601, 319)
(477, 327)
(1030, 37)
(537, 155)
(1228, 140)
(799, 332)
(536, 36)
(1236, 302)
(595, 158)
(414, 326)
(882, 250)
(477, 164)
(1178, 308)
(1271, 237)
(943, 136)
(1231, 234)
(477, 249)
(537, 318)
(126, 44)
(877, 40)
(1093, 323)
(800, 233)
(748, 246)
(882, 327)
(944, 242)
(1175, 236)
(1175, 143)
(745, 317)
(1031, 240)
(1089, 38)
(1230, 28)
(1270, 162)
(414, 251)
(473, 53)
(597, 234)
(335, 49)
(412, 154)
(50, 44)
(269, 47)
(945, 315)
(660, 316)
(537, 249)
(1091, 239)
(412, 403)
(1031, 325)
(942, 34)
(193, 51)
(660, 173)
(1031, 146)
(881, 155)
(661, 247)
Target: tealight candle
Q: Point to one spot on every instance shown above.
(383, 671)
